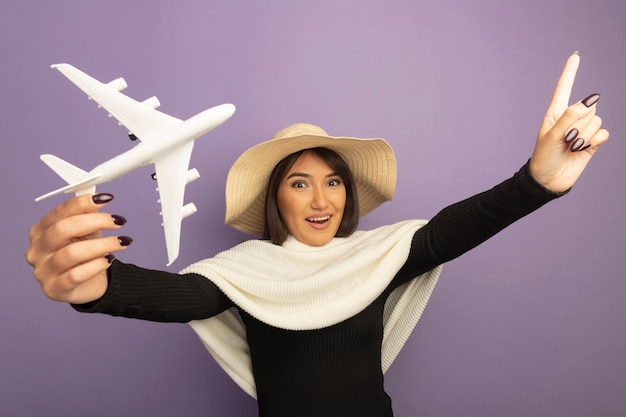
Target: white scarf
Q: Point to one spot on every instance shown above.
(301, 287)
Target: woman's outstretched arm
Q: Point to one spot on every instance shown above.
(567, 139)
(73, 262)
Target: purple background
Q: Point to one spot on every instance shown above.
(530, 323)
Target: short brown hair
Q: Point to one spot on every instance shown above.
(275, 229)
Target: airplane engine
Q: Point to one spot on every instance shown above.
(152, 102)
(188, 210)
(118, 84)
(192, 175)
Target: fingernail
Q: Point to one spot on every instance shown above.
(110, 257)
(591, 100)
(571, 135)
(102, 198)
(118, 220)
(587, 146)
(578, 143)
(125, 240)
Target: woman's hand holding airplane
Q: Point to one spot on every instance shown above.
(68, 252)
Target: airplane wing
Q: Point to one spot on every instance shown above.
(140, 118)
(171, 175)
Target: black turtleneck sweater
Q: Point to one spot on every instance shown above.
(333, 371)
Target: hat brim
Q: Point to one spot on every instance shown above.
(371, 161)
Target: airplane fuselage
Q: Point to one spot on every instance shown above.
(148, 152)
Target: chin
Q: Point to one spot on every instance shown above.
(316, 240)
(319, 242)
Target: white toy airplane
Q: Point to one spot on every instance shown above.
(167, 142)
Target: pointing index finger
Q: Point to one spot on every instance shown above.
(564, 86)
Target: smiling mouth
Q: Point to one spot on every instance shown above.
(318, 220)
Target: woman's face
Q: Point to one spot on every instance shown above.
(311, 199)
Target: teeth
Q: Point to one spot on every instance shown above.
(318, 219)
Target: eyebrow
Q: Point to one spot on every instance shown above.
(305, 175)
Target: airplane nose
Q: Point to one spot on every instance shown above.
(226, 109)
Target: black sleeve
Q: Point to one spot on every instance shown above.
(147, 294)
(466, 224)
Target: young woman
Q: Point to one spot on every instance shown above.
(323, 309)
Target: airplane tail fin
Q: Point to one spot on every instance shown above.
(65, 170)
(77, 179)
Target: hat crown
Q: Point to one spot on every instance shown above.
(299, 129)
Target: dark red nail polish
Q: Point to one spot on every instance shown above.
(102, 198)
(587, 146)
(591, 100)
(118, 220)
(125, 240)
(571, 135)
(578, 143)
(110, 257)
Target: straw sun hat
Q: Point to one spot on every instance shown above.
(371, 161)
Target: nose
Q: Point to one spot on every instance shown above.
(320, 200)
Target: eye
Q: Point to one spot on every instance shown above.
(298, 184)
(334, 182)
